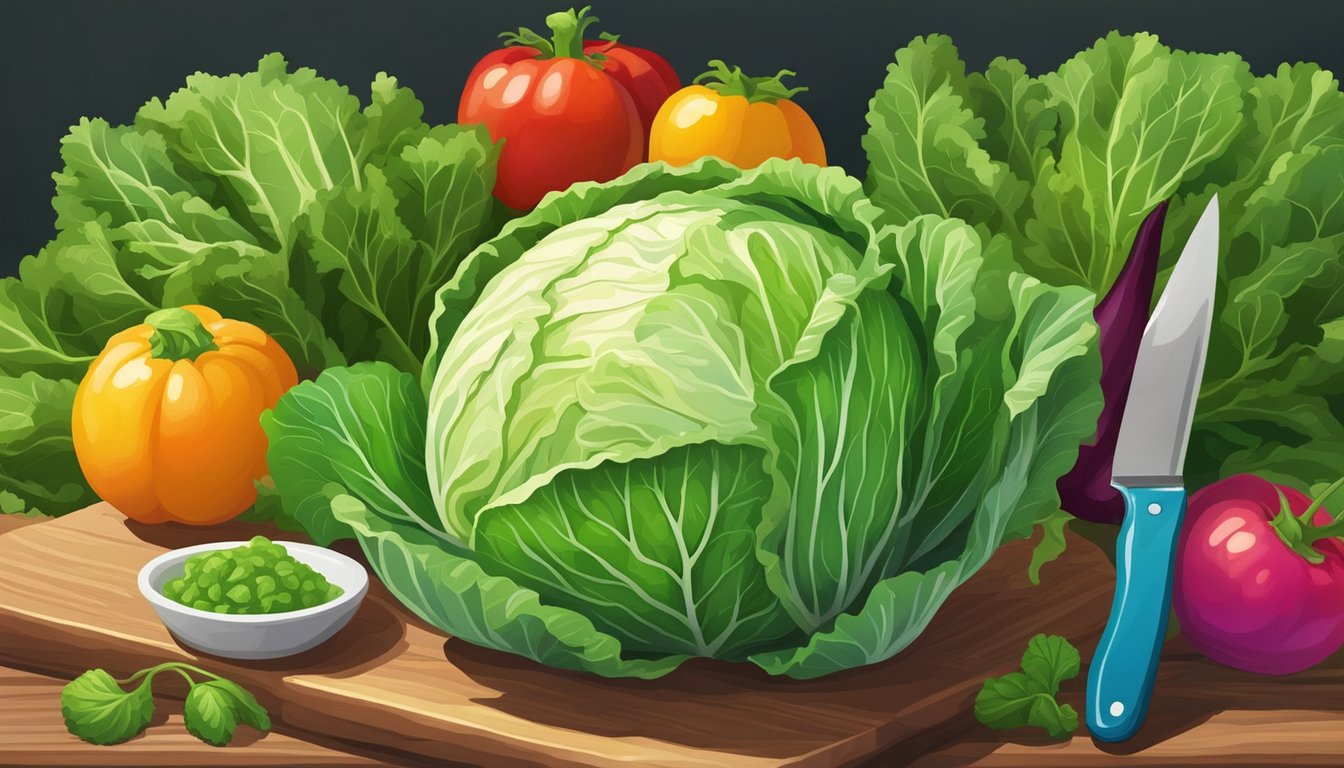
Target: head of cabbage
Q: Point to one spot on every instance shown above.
(702, 412)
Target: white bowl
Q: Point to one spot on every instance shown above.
(256, 636)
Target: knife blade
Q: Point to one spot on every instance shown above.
(1146, 470)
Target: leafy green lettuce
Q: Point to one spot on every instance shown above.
(271, 196)
(702, 412)
(1066, 165)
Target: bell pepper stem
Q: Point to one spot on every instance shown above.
(732, 81)
(178, 335)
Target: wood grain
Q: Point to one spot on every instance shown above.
(1241, 738)
(389, 683)
(11, 522)
(33, 734)
(1202, 713)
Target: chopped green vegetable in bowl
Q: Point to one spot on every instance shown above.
(236, 610)
(258, 577)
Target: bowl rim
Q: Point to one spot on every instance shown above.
(172, 556)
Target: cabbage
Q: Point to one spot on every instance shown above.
(702, 412)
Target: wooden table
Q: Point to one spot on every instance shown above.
(1202, 714)
(32, 732)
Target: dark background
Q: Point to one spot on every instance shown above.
(61, 59)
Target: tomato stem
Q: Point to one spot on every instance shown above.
(733, 82)
(178, 335)
(1299, 533)
(566, 41)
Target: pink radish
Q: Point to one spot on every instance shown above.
(1260, 576)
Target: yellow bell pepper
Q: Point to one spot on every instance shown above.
(743, 120)
(166, 421)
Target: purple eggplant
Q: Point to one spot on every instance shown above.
(1086, 492)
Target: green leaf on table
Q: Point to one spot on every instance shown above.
(1051, 545)
(1010, 701)
(1049, 661)
(214, 708)
(1027, 698)
(209, 715)
(245, 705)
(99, 711)
(11, 504)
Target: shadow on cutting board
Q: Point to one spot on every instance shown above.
(1190, 691)
(910, 704)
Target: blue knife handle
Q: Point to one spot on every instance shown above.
(1120, 679)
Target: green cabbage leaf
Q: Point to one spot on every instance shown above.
(703, 412)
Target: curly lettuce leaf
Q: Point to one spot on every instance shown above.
(273, 139)
(1136, 120)
(914, 170)
(38, 470)
(1098, 142)
(203, 200)
(64, 305)
(1272, 404)
(394, 241)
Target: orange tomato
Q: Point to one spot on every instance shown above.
(743, 120)
(166, 422)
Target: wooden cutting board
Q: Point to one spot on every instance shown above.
(390, 684)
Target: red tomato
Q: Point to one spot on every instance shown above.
(564, 113)
(646, 75)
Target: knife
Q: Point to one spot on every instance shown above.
(1149, 457)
